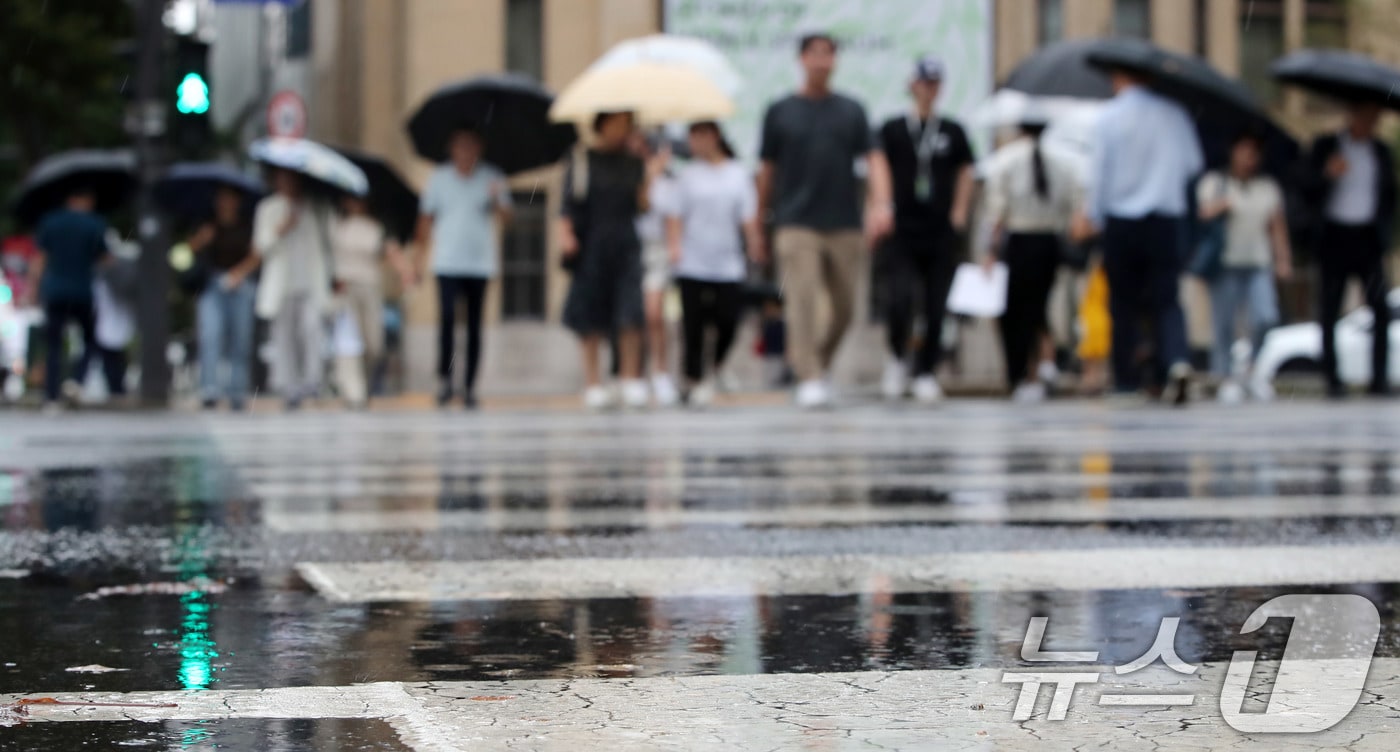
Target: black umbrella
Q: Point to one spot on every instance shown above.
(1205, 92)
(1061, 69)
(1223, 108)
(510, 110)
(391, 199)
(1342, 75)
(187, 189)
(110, 174)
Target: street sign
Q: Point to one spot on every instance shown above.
(286, 115)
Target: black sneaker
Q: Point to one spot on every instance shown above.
(210, 405)
(444, 396)
(1336, 392)
(1380, 390)
(469, 401)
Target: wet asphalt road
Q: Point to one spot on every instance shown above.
(173, 548)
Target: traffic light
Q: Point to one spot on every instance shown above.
(190, 95)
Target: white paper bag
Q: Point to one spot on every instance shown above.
(978, 294)
(345, 336)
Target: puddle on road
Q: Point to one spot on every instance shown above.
(232, 735)
(250, 638)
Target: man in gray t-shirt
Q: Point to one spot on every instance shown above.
(810, 143)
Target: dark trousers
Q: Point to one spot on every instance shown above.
(705, 307)
(57, 316)
(1142, 259)
(918, 266)
(1031, 262)
(1353, 251)
(472, 292)
(114, 370)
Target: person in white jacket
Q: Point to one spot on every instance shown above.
(291, 234)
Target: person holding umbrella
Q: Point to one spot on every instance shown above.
(1146, 155)
(226, 305)
(1351, 175)
(360, 241)
(291, 238)
(605, 190)
(464, 200)
(72, 241)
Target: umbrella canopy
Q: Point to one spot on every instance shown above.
(1065, 72)
(1201, 89)
(511, 111)
(187, 189)
(1340, 74)
(657, 93)
(391, 199)
(1061, 69)
(111, 174)
(672, 49)
(324, 166)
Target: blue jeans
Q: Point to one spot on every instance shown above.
(225, 332)
(1233, 290)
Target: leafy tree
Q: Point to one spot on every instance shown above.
(61, 78)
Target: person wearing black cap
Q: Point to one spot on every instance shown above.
(810, 143)
(1351, 175)
(930, 161)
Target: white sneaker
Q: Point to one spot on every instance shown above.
(664, 390)
(927, 391)
(597, 398)
(635, 395)
(1029, 392)
(896, 380)
(703, 395)
(1262, 391)
(1048, 372)
(1230, 393)
(813, 394)
(52, 409)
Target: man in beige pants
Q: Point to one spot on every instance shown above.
(810, 143)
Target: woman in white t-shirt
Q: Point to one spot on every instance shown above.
(712, 213)
(1256, 251)
(359, 243)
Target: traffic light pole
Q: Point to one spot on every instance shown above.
(153, 312)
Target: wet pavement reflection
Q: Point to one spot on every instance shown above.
(159, 553)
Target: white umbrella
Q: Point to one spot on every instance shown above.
(673, 49)
(320, 163)
(655, 92)
(1008, 108)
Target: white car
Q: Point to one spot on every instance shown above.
(1297, 348)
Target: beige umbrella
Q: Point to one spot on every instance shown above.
(656, 92)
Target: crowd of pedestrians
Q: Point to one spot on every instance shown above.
(636, 222)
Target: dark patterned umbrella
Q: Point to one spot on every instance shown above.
(111, 174)
(510, 110)
(1342, 75)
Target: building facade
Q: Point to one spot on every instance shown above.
(369, 63)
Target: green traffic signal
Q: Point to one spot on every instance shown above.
(192, 95)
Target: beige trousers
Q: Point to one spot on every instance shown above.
(816, 265)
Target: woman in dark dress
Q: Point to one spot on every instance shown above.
(604, 191)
